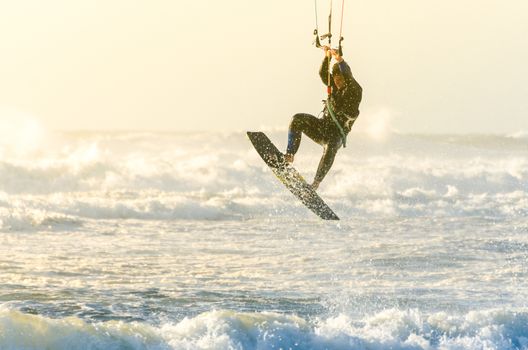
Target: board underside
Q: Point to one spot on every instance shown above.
(289, 176)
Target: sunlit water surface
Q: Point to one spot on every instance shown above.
(187, 241)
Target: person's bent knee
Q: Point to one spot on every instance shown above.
(296, 121)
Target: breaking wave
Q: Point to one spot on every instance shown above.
(222, 329)
(157, 176)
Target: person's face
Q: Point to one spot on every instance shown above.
(339, 81)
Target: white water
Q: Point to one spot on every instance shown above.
(186, 241)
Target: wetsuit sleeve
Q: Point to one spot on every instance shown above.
(323, 71)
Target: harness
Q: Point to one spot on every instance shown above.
(330, 110)
(348, 124)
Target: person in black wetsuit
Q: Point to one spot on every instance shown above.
(344, 100)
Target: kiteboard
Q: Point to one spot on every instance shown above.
(290, 177)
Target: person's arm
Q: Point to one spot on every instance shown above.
(345, 70)
(323, 70)
(343, 66)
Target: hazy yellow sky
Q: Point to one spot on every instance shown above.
(433, 66)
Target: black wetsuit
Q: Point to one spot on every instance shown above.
(324, 131)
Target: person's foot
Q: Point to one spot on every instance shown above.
(288, 157)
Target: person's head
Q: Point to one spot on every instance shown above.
(339, 79)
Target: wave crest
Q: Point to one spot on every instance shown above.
(223, 329)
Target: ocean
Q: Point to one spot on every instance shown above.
(153, 240)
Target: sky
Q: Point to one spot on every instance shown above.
(426, 66)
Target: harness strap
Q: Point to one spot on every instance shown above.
(332, 114)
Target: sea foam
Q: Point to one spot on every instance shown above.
(223, 329)
(215, 176)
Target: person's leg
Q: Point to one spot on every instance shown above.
(329, 153)
(303, 123)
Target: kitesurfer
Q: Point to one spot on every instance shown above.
(329, 131)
